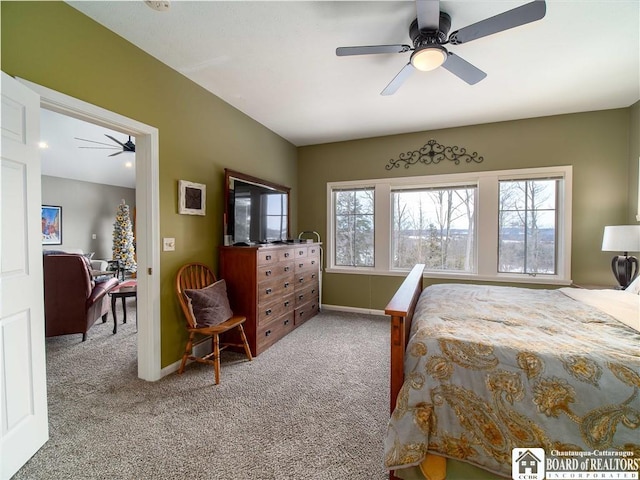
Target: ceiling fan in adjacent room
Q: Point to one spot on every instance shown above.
(429, 32)
(127, 146)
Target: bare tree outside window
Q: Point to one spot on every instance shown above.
(528, 216)
(354, 227)
(434, 226)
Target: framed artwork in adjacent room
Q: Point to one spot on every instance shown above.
(51, 225)
(191, 198)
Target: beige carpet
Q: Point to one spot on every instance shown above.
(313, 406)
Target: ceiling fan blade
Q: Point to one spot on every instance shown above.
(504, 21)
(117, 153)
(114, 139)
(428, 14)
(398, 80)
(463, 69)
(93, 141)
(371, 49)
(103, 148)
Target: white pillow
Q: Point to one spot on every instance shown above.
(634, 287)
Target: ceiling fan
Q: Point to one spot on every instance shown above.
(429, 31)
(128, 146)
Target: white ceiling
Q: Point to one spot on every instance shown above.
(276, 62)
(63, 157)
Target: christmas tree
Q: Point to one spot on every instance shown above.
(123, 246)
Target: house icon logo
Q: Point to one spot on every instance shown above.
(527, 464)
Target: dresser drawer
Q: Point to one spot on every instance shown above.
(270, 290)
(266, 313)
(306, 263)
(309, 294)
(301, 252)
(268, 256)
(269, 333)
(286, 254)
(313, 251)
(305, 312)
(280, 269)
(305, 278)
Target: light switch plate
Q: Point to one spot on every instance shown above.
(168, 244)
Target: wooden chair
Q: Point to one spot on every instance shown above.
(195, 276)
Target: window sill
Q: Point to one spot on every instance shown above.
(502, 278)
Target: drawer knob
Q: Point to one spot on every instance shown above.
(268, 257)
(301, 313)
(286, 255)
(286, 284)
(286, 269)
(268, 273)
(286, 304)
(286, 322)
(301, 252)
(268, 291)
(313, 262)
(268, 312)
(301, 279)
(301, 265)
(313, 290)
(267, 333)
(300, 297)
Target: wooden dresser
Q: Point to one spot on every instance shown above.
(275, 287)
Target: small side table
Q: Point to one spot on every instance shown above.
(124, 290)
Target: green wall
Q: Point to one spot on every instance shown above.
(54, 45)
(634, 163)
(597, 144)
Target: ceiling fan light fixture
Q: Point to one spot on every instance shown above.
(428, 57)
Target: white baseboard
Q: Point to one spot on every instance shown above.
(341, 308)
(199, 350)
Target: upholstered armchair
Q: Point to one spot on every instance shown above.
(73, 301)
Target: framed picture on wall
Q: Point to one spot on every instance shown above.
(51, 225)
(191, 198)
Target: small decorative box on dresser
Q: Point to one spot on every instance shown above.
(275, 286)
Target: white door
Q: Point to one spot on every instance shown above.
(23, 388)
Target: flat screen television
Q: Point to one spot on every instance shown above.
(256, 210)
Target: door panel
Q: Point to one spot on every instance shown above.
(23, 389)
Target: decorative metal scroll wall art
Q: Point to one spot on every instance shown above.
(433, 153)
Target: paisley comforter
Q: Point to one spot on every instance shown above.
(488, 369)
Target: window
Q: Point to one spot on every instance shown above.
(512, 225)
(527, 228)
(435, 227)
(354, 227)
(276, 215)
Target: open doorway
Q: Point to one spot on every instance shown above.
(88, 186)
(147, 215)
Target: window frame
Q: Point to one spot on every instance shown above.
(486, 232)
(333, 231)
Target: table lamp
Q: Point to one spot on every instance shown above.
(622, 238)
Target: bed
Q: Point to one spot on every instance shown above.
(477, 370)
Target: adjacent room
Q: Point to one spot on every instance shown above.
(320, 239)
